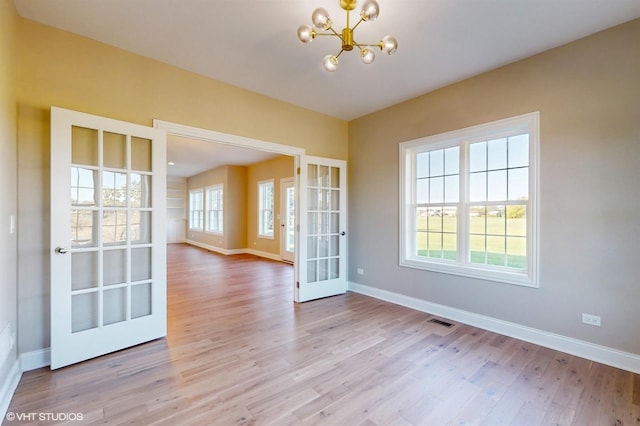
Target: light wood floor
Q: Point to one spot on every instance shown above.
(239, 351)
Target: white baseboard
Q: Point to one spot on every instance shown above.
(264, 254)
(215, 249)
(235, 251)
(602, 354)
(35, 359)
(9, 387)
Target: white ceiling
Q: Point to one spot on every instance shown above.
(253, 44)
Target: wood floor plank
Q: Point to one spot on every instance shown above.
(240, 352)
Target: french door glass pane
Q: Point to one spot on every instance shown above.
(115, 267)
(83, 232)
(84, 146)
(84, 311)
(140, 154)
(140, 264)
(83, 185)
(141, 300)
(114, 305)
(84, 270)
(114, 150)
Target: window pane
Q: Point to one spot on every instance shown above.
(519, 184)
(517, 221)
(517, 252)
(436, 163)
(435, 245)
(451, 189)
(422, 191)
(449, 243)
(478, 187)
(452, 161)
(421, 218)
(422, 165)
(478, 157)
(496, 251)
(449, 220)
(478, 219)
(436, 190)
(421, 243)
(519, 151)
(497, 185)
(477, 253)
(497, 154)
(434, 221)
(495, 220)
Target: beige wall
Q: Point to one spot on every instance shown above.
(8, 183)
(588, 95)
(58, 68)
(276, 169)
(234, 186)
(241, 204)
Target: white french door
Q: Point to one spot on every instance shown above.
(287, 219)
(108, 235)
(321, 253)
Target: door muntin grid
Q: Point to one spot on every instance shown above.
(323, 221)
(110, 203)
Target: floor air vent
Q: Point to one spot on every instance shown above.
(440, 322)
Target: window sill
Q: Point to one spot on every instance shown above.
(470, 271)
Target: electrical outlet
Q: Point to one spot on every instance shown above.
(360, 271)
(591, 319)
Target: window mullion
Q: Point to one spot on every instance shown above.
(463, 214)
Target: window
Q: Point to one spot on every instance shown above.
(214, 209)
(468, 201)
(195, 209)
(265, 209)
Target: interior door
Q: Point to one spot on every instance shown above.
(108, 235)
(287, 219)
(321, 252)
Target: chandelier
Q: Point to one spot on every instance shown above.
(322, 22)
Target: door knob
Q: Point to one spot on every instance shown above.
(61, 250)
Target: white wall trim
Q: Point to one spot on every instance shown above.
(35, 359)
(235, 251)
(602, 354)
(9, 387)
(226, 138)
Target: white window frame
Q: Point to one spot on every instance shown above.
(195, 211)
(526, 123)
(213, 193)
(262, 209)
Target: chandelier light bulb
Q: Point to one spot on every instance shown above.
(330, 63)
(367, 55)
(306, 34)
(388, 44)
(320, 19)
(370, 10)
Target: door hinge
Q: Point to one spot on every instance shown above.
(297, 284)
(298, 170)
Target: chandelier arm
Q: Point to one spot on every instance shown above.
(360, 46)
(339, 53)
(356, 25)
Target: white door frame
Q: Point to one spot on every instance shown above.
(284, 228)
(239, 141)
